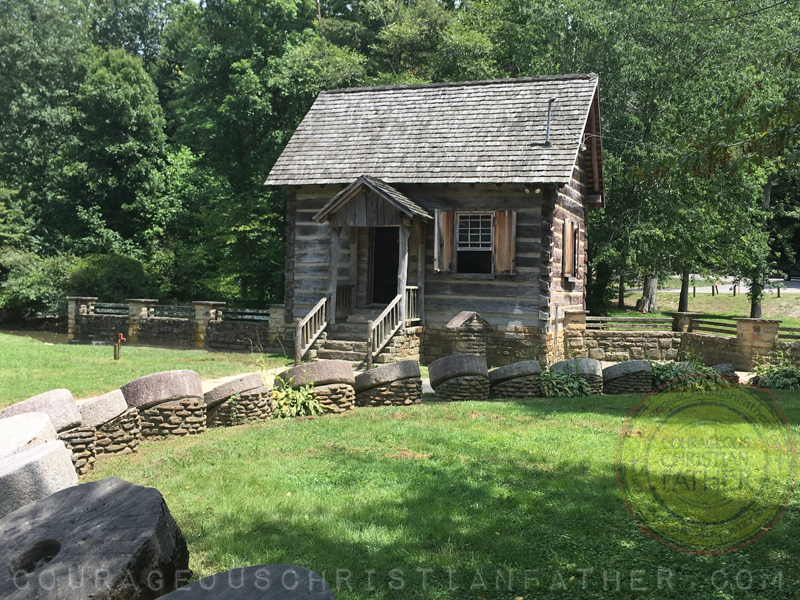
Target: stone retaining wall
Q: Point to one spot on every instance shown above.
(81, 443)
(505, 345)
(521, 387)
(180, 417)
(619, 346)
(169, 332)
(238, 335)
(715, 349)
(404, 345)
(635, 383)
(120, 436)
(470, 387)
(103, 329)
(252, 405)
(402, 392)
(336, 397)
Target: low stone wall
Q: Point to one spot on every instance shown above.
(503, 345)
(180, 417)
(99, 328)
(618, 346)
(715, 349)
(635, 383)
(403, 346)
(120, 436)
(470, 387)
(81, 443)
(252, 405)
(790, 349)
(521, 387)
(238, 335)
(336, 397)
(402, 392)
(169, 332)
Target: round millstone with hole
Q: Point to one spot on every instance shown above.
(25, 431)
(223, 392)
(459, 365)
(108, 539)
(103, 409)
(514, 370)
(34, 474)
(386, 374)
(323, 372)
(158, 388)
(262, 582)
(59, 405)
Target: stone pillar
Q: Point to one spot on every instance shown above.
(757, 338)
(138, 309)
(276, 324)
(575, 320)
(682, 321)
(469, 333)
(78, 305)
(204, 312)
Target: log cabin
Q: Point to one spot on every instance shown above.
(409, 204)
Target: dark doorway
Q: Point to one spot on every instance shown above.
(385, 262)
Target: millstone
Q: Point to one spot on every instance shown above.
(583, 366)
(386, 374)
(34, 474)
(459, 365)
(222, 392)
(323, 372)
(103, 409)
(263, 582)
(162, 387)
(514, 370)
(105, 540)
(628, 367)
(59, 405)
(25, 431)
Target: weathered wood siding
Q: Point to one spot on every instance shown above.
(505, 299)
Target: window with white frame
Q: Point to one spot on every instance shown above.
(474, 245)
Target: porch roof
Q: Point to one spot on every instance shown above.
(393, 196)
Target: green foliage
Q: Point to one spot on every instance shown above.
(288, 403)
(110, 277)
(33, 286)
(562, 384)
(781, 373)
(687, 376)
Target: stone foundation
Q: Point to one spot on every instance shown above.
(120, 436)
(521, 387)
(470, 387)
(81, 443)
(179, 417)
(403, 346)
(252, 405)
(504, 346)
(402, 392)
(336, 397)
(635, 383)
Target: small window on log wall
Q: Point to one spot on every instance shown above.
(570, 249)
(475, 242)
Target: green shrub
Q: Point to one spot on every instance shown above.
(560, 384)
(111, 277)
(687, 377)
(33, 286)
(289, 403)
(783, 374)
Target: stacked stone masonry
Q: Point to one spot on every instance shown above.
(120, 436)
(402, 392)
(178, 418)
(635, 383)
(238, 336)
(336, 397)
(503, 347)
(469, 387)
(103, 329)
(520, 387)
(81, 443)
(405, 345)
(617, 346)
(169, 332)
(244, 407)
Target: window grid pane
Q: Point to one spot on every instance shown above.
(475, 232)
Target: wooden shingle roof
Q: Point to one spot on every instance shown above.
(474, 132)
(402, 202)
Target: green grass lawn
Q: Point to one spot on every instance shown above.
(458, 493)
(29, 367)
(786, 308)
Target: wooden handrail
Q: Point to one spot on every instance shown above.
(381, 330)
(310, 327)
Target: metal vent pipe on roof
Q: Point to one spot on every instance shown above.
(547, 143)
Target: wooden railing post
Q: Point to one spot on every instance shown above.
(370, 345)
(298, 342)
(402, 271)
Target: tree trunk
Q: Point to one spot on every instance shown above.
(650, 293)
(757, 283)
(683, 302)
(621, 294)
